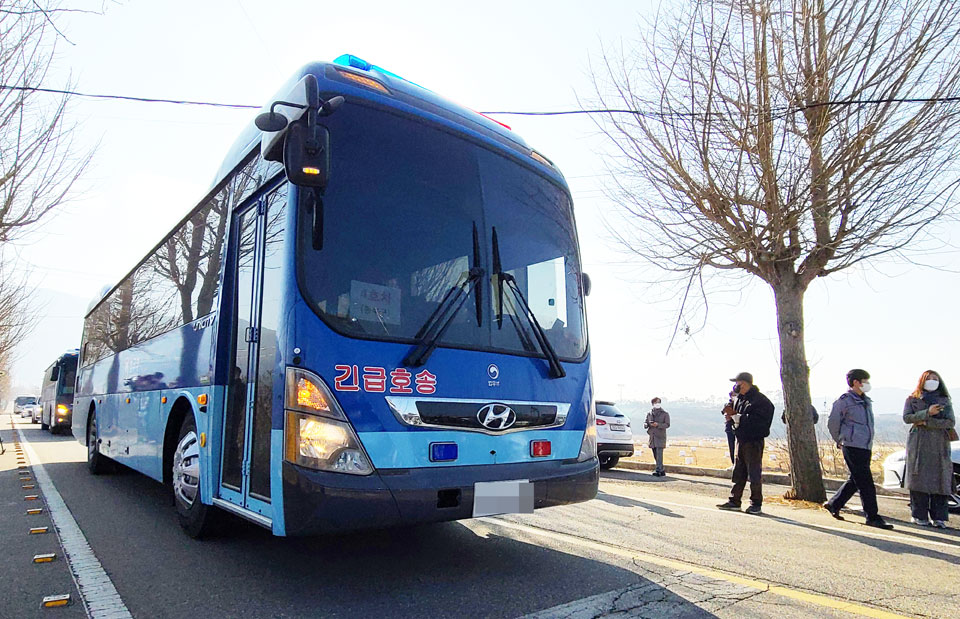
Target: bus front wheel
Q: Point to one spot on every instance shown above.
(195, 517)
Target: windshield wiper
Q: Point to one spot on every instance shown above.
(442, 317)
(556, 370)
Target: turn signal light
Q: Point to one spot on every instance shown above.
(310, 396)
(311, 171)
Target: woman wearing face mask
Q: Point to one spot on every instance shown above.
(929, 474)
(656, 423)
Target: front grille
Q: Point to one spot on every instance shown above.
(464, 414)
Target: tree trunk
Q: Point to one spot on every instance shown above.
(805, 474)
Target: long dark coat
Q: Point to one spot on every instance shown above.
(929, 468)
(658, 435)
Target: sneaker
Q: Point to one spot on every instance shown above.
(833, 512)
(879, 523)
(754, 509)
(922, 523)
(940, 524)
(729, 505)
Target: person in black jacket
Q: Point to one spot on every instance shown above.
(751, 415)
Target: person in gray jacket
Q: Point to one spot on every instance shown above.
(851, 426)
(656, 424)
(929, 477)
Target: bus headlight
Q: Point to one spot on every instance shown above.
(324, 444)
(62, 411)
(316, 432)
(588, 447)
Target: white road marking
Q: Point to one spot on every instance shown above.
(99, 596)
(713, 510)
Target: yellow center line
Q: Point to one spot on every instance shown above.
(776, 589)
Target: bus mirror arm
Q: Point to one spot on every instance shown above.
(315, 206)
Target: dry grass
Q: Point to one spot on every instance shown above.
(712, 453)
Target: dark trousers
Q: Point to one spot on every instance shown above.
(923, 505)
(861, 480)
(748, 465)
(732, 444)
(658, 457)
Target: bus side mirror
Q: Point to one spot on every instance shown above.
(55, 373)
(586, 284)
(306, 154)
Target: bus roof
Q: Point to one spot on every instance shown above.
(335, 79)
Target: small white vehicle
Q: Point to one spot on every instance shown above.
(614, 436)
(894, 472)
(21, 403)
(35, 411)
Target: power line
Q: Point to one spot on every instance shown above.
(128, 98)
(782, 110)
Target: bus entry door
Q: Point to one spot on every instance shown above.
(245, 472)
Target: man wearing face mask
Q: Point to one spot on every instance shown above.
(851, 426)
(656, 424)
(751, 415)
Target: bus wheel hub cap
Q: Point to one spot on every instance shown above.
(186, 469)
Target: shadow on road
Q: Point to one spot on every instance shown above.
(887, 545)
(638, 476)
(620, 501)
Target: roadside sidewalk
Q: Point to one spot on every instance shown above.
(25, 583)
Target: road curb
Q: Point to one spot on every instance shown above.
(782, 479)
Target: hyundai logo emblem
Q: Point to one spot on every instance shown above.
(493, 371)
(496, 416)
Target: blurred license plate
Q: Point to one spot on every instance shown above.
(618, 427)
(502, 497)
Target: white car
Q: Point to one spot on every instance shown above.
(35, 411)
(21, 403)
(614, 436)
(894, 471)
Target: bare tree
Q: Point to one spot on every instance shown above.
(39, 161)
(785, 140)
(16, 312)
(39, 164)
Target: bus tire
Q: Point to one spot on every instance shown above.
(97, 463)
(608, 462)
(43, 426)
(195, 518)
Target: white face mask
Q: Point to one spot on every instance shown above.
(657, 406)
(931, 384)
(865, 386)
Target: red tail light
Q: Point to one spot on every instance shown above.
(601, 422)
(539, 449)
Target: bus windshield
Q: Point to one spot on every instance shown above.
(395, 182)
(68, 376)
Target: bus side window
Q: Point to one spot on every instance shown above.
(54, 373)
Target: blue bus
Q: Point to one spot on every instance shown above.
(375, 317)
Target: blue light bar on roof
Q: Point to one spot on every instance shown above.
(349, 60)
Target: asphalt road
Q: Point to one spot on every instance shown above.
(647, 547)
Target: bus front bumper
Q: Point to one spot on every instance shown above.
(319, 502)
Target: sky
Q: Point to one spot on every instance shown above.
(154, 162)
